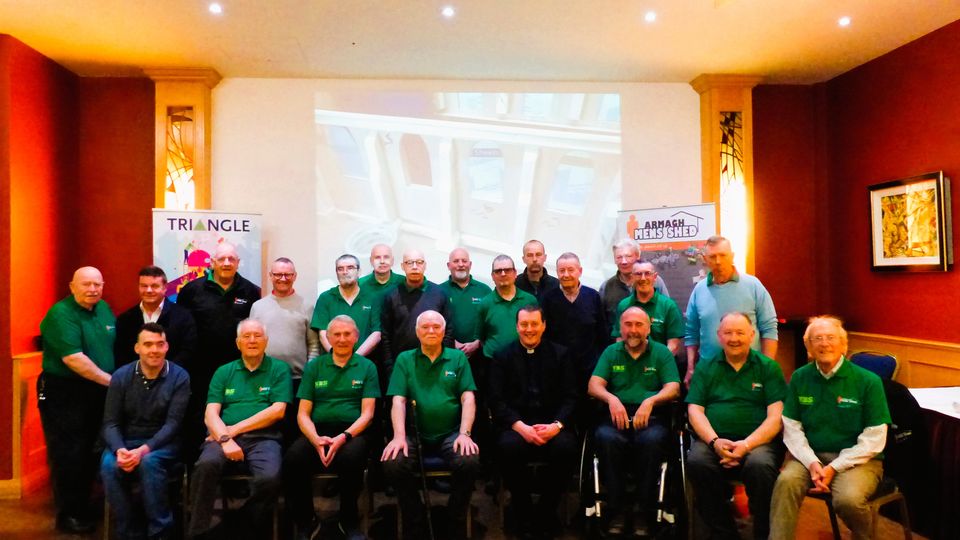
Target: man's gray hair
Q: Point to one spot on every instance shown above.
(343, 319)
(500, 258)
(626, 243)
(251, 320)
(430, 312)
(832, 320)
(346, 256)
(569, 255)
(714, 240)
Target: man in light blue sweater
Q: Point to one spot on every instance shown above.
(726, 290)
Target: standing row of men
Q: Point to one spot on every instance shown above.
(217, 302)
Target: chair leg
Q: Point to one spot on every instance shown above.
(905, 519)
(833, 520)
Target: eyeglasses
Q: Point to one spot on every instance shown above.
(283, 275)
(825, 339)
(502, 271)
(415, 262)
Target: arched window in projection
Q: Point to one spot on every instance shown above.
(485, 169)
(415, 158)
(349, 151)
(572, 184)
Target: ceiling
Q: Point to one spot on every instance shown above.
(786, 41)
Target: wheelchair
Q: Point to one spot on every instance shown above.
(671, 516)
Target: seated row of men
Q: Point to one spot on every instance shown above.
(735, 408)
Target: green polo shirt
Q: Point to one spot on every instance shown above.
(379, 290)
(68, 328)
(634, 380)
(337, 392)
(835, 411)
(435, 386)
(497, 319)
(243, 393)
(666, 322)
(365, 311)
(736, 401)
(465, 307)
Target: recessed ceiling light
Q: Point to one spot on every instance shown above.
(650, 16)
(448, 12)
(844, 21)
(215, 8)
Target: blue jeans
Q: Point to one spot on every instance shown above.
(630, 450)
(153, 474)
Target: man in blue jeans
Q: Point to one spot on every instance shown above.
(145, 405)
(632, 378)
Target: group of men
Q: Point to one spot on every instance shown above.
(210, 377)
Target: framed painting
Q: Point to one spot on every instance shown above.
(910, 224)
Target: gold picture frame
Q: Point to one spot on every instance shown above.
(910, 224)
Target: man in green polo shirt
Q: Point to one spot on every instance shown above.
(78, 334)
(245, 403)
(835, 426)
(496, 319)
(734, 406)
(382, 278)
(666, 322)
(337, 400)
(633, 377)
(465, 294)
(350, 299)
(440, 385)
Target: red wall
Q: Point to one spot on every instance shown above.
(76, 188)
(894, 117)
(38, 117)
(112, 218)
(788, 184)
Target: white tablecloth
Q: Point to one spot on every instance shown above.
(943, 400)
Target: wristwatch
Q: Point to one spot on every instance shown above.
(224, 438)
(467, 433)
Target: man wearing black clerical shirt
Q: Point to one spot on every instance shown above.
(532, 397)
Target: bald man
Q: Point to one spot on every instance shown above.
(78, 335)
(404, 303)
(218, 302)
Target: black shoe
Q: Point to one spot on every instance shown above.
(616, 525)
(352, 533)
(74, 525)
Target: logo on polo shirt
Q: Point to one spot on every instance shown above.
(756, 387)
(229, 391)
(475, 300)
(364, 308)
(356, 383)
(805, 400)
(647, 369)
(619, 368)
(450, 374)
(110, 328)
(239, 301)
(844, 402)
(320, 384)
(264, 389)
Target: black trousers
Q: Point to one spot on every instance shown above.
(302, 461)
(514, 454)
(71, 411)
